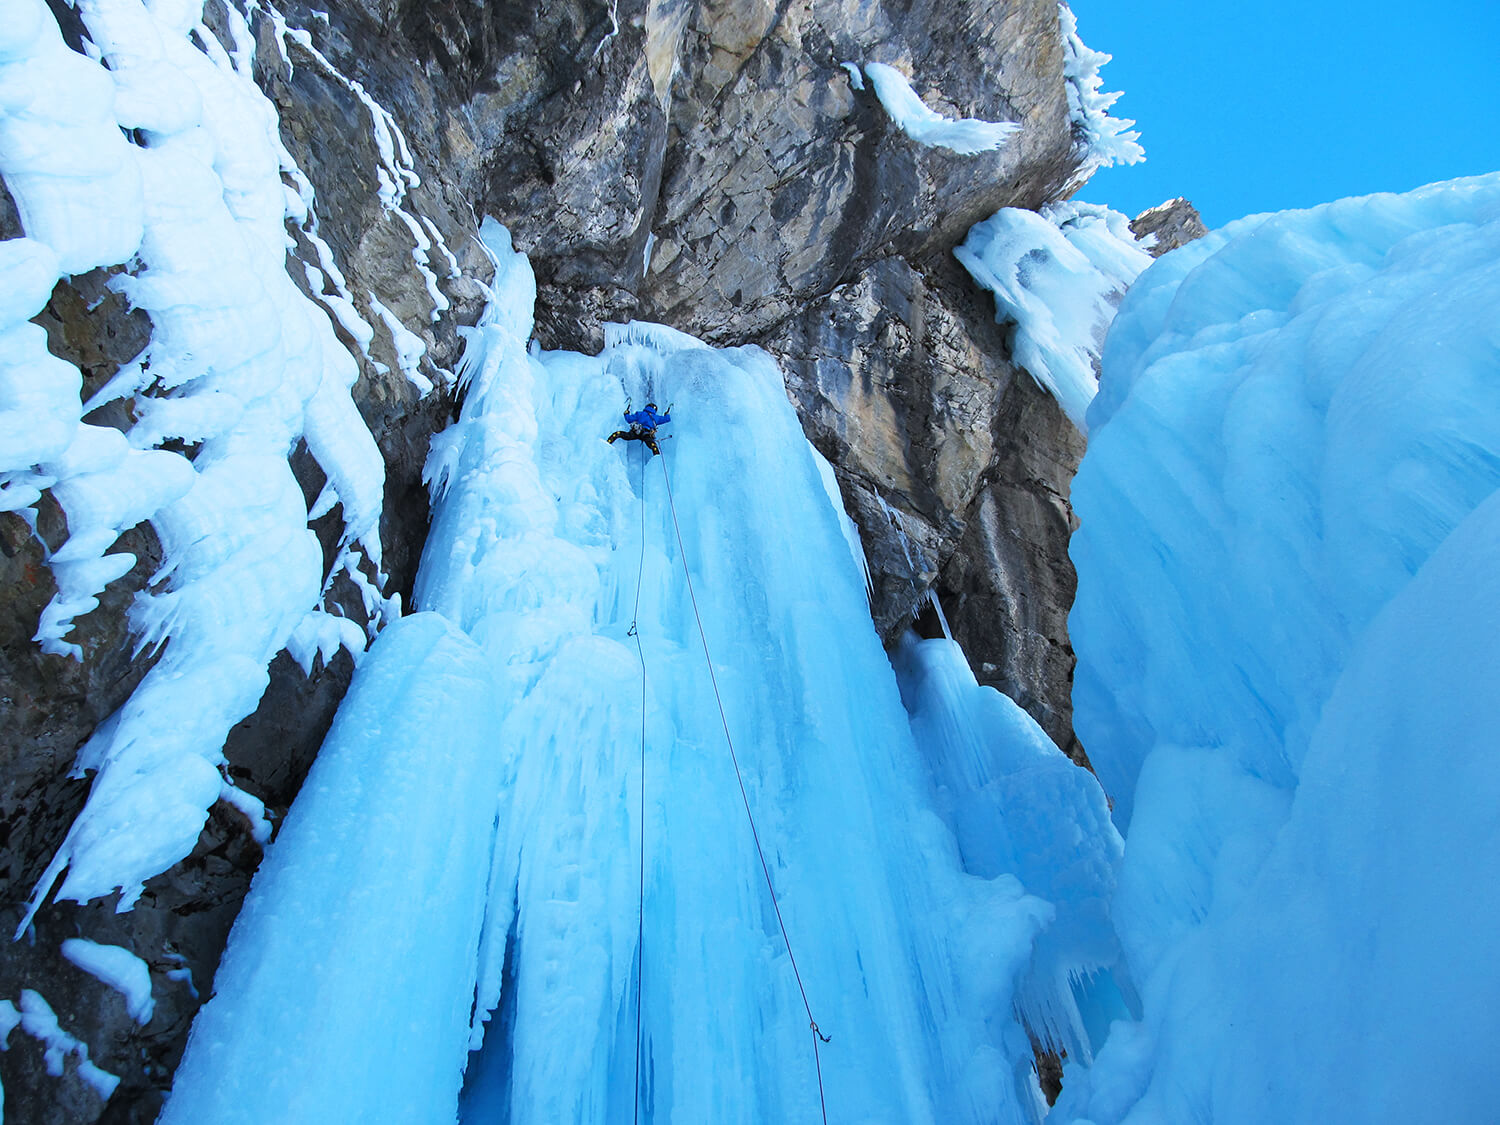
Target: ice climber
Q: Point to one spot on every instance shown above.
(643, 425)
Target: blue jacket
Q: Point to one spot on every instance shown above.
(648, 419)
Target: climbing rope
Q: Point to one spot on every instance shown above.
(818, 1036)
(640, 912)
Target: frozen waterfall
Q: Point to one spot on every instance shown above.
(525, 691)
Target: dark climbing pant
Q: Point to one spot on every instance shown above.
(633, 434)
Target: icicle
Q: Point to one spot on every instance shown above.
(938, 609)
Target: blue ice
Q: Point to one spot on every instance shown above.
(547, 546)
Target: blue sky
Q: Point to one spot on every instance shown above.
(1246, 107)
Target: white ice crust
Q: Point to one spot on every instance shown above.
(1102, 141)
(38, 1020)
(119, 968)
(1058, 275)
(157, 155)
(966, 136)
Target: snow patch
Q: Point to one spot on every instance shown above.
(396, 176)
(119, 968)
(965, 136)
(40, 1022)
(410, 348)
(252, 808)
(1058, 275)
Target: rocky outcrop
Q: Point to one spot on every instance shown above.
(709, 164)
(1168, 225)
(706, 163)
(953, 463)
(782, 178)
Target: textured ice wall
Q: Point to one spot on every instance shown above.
(1018, 808)
(1283, 628)
(535, 550)
(347, 987)
(912, 961)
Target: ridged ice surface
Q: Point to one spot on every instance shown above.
(1285, 629)
(536, 548)
(348, 985)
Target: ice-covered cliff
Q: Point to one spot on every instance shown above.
(241, 240)
(656, 789)
(715, 820)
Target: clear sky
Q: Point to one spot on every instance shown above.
(1246, 107)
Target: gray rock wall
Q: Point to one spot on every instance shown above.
(1168, 225)
(955, 465)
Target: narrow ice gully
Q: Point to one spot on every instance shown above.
(494, 742)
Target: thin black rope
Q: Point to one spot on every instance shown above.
(640, 910)
(765, 868)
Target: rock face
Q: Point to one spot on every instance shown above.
(1173, 223)
(955, 466)
(782, 179)
(706, 163)
(728, 137)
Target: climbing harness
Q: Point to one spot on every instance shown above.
(817, 1034)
